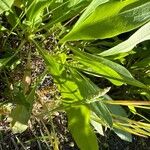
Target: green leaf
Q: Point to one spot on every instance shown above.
(73, 88)
(5, 5)
(102, 112)
(111, 19)
(123, 135)
(12, 18)
(35, 11)
(139, 36)
(67, 9)
(20, 116)
(100, 66)
(118, 110)
(79, 125)
(98, 127)
(2, 28)
(5, 61)
(89, 10)
(21, 113)
(143, 63)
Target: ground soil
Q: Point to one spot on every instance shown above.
(28, 140)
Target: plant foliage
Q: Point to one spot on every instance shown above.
(74, 25)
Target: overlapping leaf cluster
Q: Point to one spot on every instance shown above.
(84, 102)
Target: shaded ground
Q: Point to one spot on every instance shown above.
(33, 140)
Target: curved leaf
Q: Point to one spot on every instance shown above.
(111, 19)
(89, 10)
(139, 36)
(21, 113)
(100, 66)
(102, 112)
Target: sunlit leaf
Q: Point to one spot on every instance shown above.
(90, 9)
(5, 5)
(111, 19)
(100, 66)
(21, 113)
(73, 88)
(98, 127)
(79, 120)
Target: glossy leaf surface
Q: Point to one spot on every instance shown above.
(111, 19)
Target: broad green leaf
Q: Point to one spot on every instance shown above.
(5, 5)
(111, 19)
(100, 66)
(139, 36)
(73, 88)
(20, 116)
(21, 113)
(117, 110)
(79, 125)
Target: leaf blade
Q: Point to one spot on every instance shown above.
(111, 19)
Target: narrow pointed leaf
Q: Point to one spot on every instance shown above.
(102, 112)
(139, 36)
(89, 10)
(116, 73)
(118, 110)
